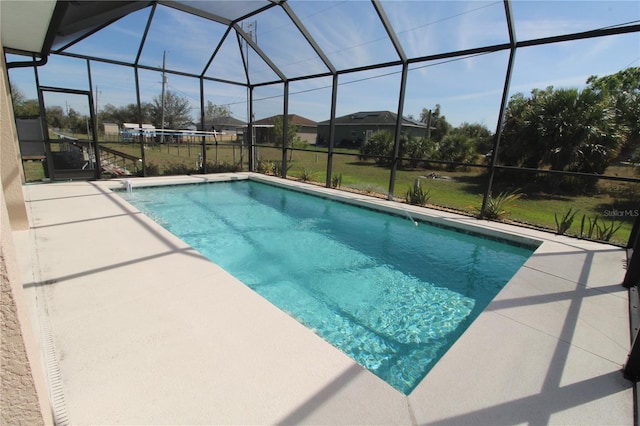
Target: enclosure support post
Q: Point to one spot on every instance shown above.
(635, 234)
(632, 277)
(285, 129)
(503, 105)
(332, 128)
(631, 369)
(43, 118)
(248, 138)
(397, 136)
(140, 135)
(203, 166)
(393, 37)
(94, 124)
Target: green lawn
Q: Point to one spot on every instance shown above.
(463, 191)
(458, 190)
(33, 170)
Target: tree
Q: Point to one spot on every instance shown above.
(566, 129)
(520, 145)
(479, 134)
(563, 129)
(438, 123)
(55, 117)
(126, 114)
(177, 111)
(379, 144)
(580, 130)
(293, 139)
(627, 80)
(623, 90)
(75, 122)
(213, 111)
(456, 147)
(23, 107)
(415, 148)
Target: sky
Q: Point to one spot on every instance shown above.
(350, 34)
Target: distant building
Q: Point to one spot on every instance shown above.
(131, 130)
(224, 124)
(111, 131)
(354, 129)
(307, 129)
(229, 126)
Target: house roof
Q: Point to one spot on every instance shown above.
(137, 126)
(372, 118)
(224, 122)
(293, 119)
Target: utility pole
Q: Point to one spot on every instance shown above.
(164, 83)
(97, 101)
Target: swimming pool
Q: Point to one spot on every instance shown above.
(392, 295)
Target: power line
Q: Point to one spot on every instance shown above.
(366, 78)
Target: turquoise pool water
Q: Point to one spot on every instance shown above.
(391, 295)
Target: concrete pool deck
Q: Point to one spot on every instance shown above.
(137, 328)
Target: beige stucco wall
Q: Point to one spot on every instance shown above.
(10, 164)
(23, 393)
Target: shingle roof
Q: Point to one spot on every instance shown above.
(293, 119)
(387, 118)
(224, 122)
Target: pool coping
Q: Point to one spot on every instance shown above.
(551, 344)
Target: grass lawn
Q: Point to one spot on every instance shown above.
(458, 190)
(33, 170)
(463, 191)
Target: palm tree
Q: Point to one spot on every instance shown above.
(580, 130)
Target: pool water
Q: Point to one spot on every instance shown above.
(391, 295)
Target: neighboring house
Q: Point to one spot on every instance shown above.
(131, 130)
(307, 129)
(228, 126)
(354, 129)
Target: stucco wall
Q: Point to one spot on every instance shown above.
(19, 402)
(10, 163)
(23, 393)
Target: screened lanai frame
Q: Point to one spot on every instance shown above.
(394, 51)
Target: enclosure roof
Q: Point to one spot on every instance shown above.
(24, 24)
(260, 42)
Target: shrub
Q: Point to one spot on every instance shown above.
(276, 168)
(498, 207)
(178, 169)
(151, 169)
(306, 174)
(456, 148)
(590, 229)
(416, 195)
(564, 224)
(223, 167)
(380, 144)
(264, 167)
(606, 231)
(336, 181)
(595, 230)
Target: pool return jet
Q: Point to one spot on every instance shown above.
(410, 218)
